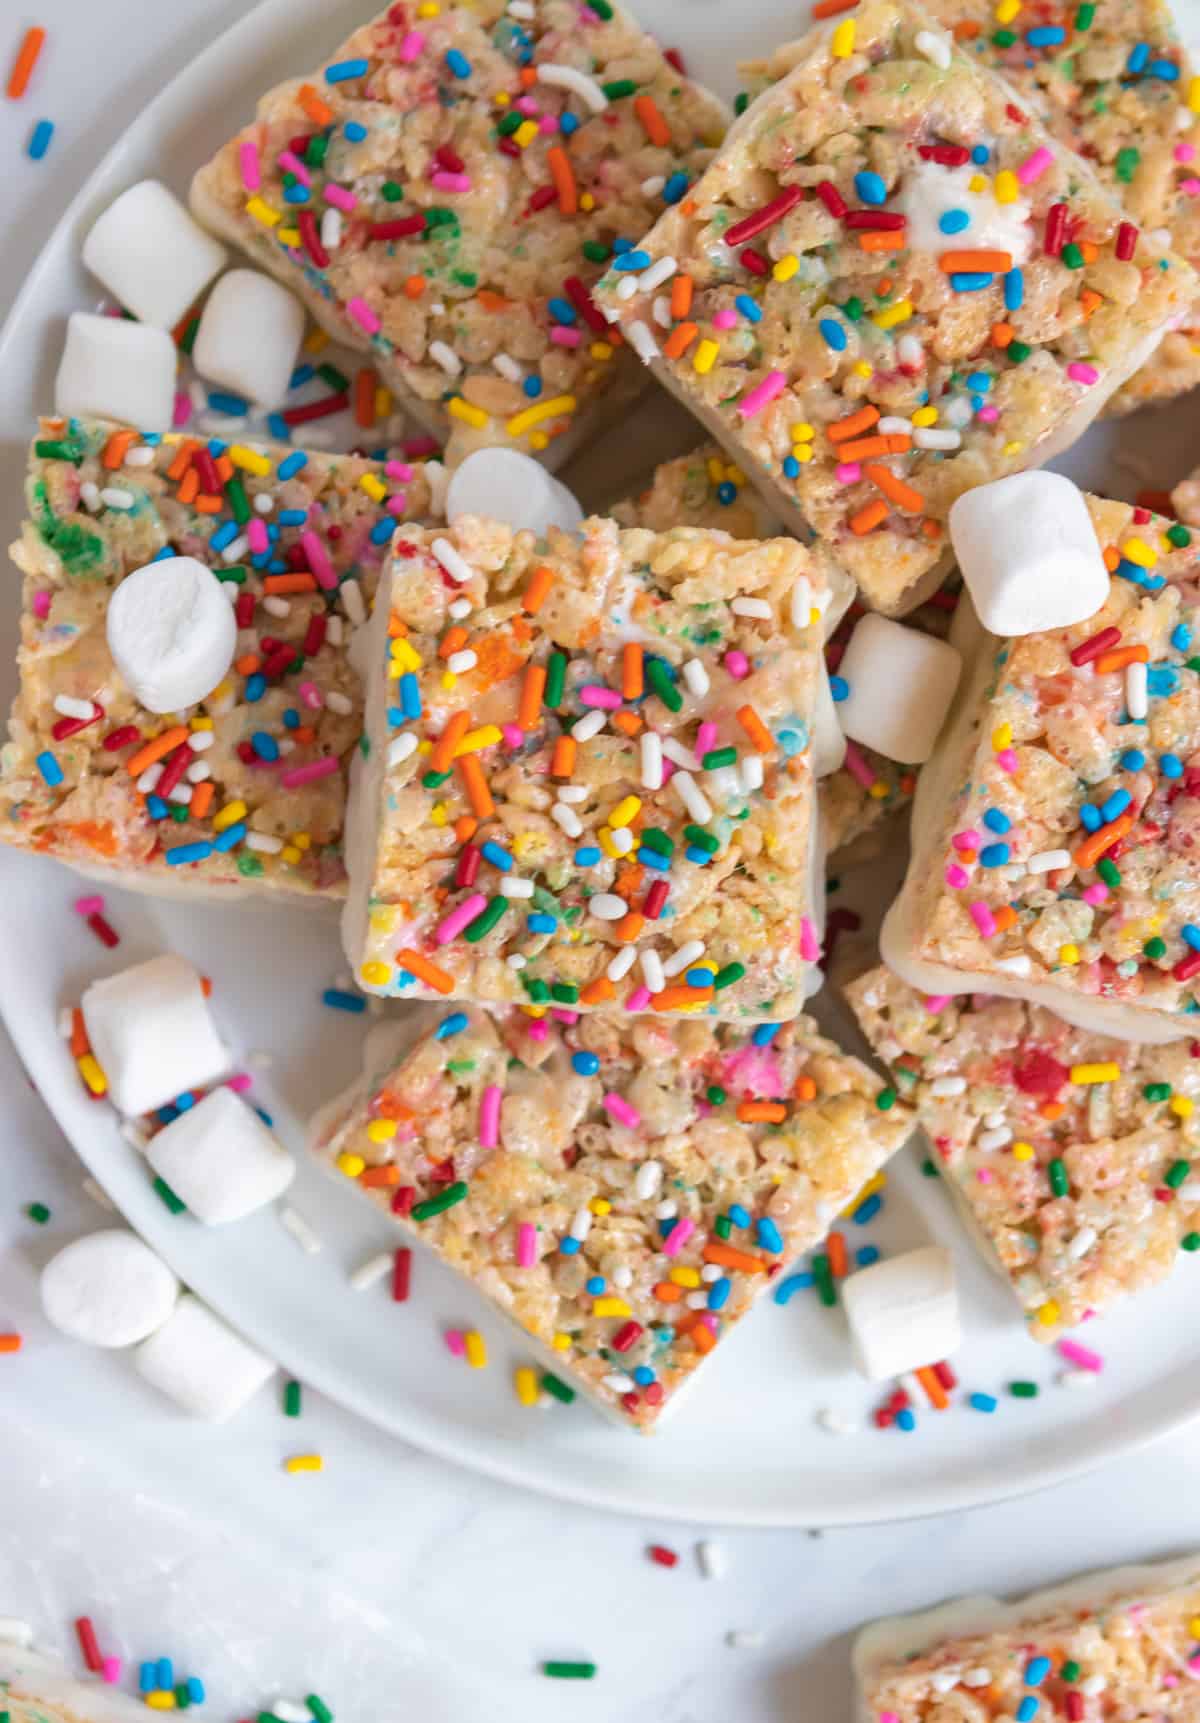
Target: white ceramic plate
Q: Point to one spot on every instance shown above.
(746, 1448)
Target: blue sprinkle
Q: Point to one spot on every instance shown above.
(595, 1286)
(839, 688)
(340, 1000)
(587, 856)
(458, 63)
(562, 311)
(39, 139)
(979, 380)
(156, 807)
(980, 154)
(1036, 1671)
(197, 1692)
(569, 1246)
(225, 534)
(1133, 759)
(499, 858)
(532, 386)
(147, 1676)
(1090, 817)
(629, 261)
(994, 855)
(971, 281)
(292, 517)
(265, 746)
(569, 123)
(223, 401)
(586, 1064)
(1167, 70)
(163, 555)
(765, 1034)
(699, 977)
(652, 859)
(539, 922)
(1170, 765)
(621, 246)
(216, 447)
(866, 1211)
(1115, 805)
(1161, 678)
(738, 1215)
(300, 376)
(410, 695)
(452, 1025)
(1139, 54)
(354, 131)
(256, 687)
(50, 769)
(1191, 936)
(1181, 637)
(718, 1293)
(383, 529)
(677, 184)
(905, 1419)
(266, 1118)
(835, 335)
(1046, 36)
(185, 1102)
(295, 194)
(396, 718)
(954, 220)
(791, 467)
(995, 821)
(789, 1287)
(982, 1402)
(694, 853)
(165, 1115)
(868, 1255)
(230, 837)
(293, 464)
(1028, 1709)
(344, 70)
(165, 1672)
(768, 1235)
(749, 310)
(870, 188)
(279, 429)
(1014, 290)
(726, 493)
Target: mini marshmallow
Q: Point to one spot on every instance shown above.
(199, 1362)
(901, 684)
(151, 1033)
(249, 336)
(903, 1312)
(150, 254)
(108, 1289)
(1028, 553)
(114, 369)
(172, 633)
(829, 739)
(505, 485)
(220, 1159)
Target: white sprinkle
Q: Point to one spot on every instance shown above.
(657, 274)
(581, 1223)
(342, 704)
(331, 229)
(1188, 1193)
(334, 631)
(289, 1711)
(607, 906)
(621, 840)
(1076, 1378)
(660, 310)
(710, 1559)
(957, 412)
(801, 603)
(666, 1210)
(276, 606)
(401, 747)
(692, 797)
(684, 957)
(835, 1423)
(652, 970)
(572, 793)
(446, 357)
(1082, 1242)
(300, 1230)
(200, 741)
(621, 964)
(141, 456)
(567, 819)
(264, 502)
(234, 551)
(350, 593)
(681, 756)
(744, 1639)
(286, 745)
(367, 1274)
(516, 961)
(652, 186)
(696, 677)
(627, 287)
(652, 760)
(508, 367)
(590, 725)
(521, 9)
(642, 341)
(510, 887)
(647, 1180)
(930, 437)
(198, 771)
(622, 1276)
(181, 793)
(14, 1631)
(977, 1677)
(753, 773)
(569, 78)
(910, 352)
(998, 1139)
(459, 663)
(1135, 691)
(697, 1300)
(934, 46)
(460, 607)
(1092, 1685)
(150, 777)
(113, 497)
(751, 607)
(264, 843)
(90, 494)
(72, 708)
(1045, 861)
(1019, 965)
(945, 1680)
(710, 1272)
(456, 566)
(617, 1383)
(941, 1087)
(892, 425)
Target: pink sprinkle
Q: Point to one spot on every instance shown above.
(1193, 1664)
(364, 316)
(397, 503)
(966, 840)
(1095, 894)
(1189, 187)
(489, 1116)
(526, 1245)
(461, 916)
(548, 125)
(256, 535)
(706, 735)
(400, 471)
(416, 448)
(41, 605)
(638, 999)
(774, 383)
(181, 411)
(110, 1670)
(298, 775)
(340, 198)
(595, 694)
(311, 696)
(248, 161)
(737, 664)
(1082, 1356)
(318, 559)
(1081, 373)
(455, 1342)
(810, 945)
(526, 105)
(858, 767)
(564, 336)
(1034, 166)
(1185, 152)
(887, 1717)
(560, 1014)
(621, 1111)
(936, 1002)
(988, 415)
(678, 1236)
(89, 905)
(725, 318)
(956, 877)
(538, 1030)
(983, 918)
(986, 1176)
(291, 163)
(443, 181)
(513, 735)
(1006, 759)
(411, 46)
(848, 472)
(240, 1082)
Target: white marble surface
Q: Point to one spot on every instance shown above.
(464, 1586)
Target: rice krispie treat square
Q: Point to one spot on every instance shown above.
(588, 773)
(1054, 830)
(622, 1189)
(1119, 1644)
(36, 1687)
(244, 792)
(1069, 1153)
(445, 191)
(892, 285)
(702, 489)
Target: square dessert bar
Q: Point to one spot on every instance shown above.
(1069, 1153)
(1114, 1645)
(589, 773)
(447, 189)
(892, 285)
(1054, 830)
(246, 791)
(701, 489)
(623, 1189)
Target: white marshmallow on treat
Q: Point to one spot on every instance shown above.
(829, 739)
(505, 485)
(1028, 553)
(220, 1159)
(199, 1362)
(903, 1312)
(114, 369)
(249, 336)
(152, 256)
(108, 1289)
(901, 684)
(172, 633)
(151, 1033)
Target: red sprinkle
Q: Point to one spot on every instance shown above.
(768, 215)
(403, 1199)
(949, 155)
(449, 159)
(630, 1332)
(752, 260)
(317, 409)
(243, 609)
(401, 1275)
(206, 469)
(1056, 229)
(1187, 966)
(314, 635)
(402, 228)
(674, 58)
(662, 1555)
(1127, 238)
(542, 197)
(106, 934)
(310, 238)
(72, 726)
(875, 220)
(1075, 1710)
(176, 765)
(89, 1644)
(468, 866)
(122, 737)
(832, 198)
(656, 896)
(945, 1375)
(1093, 647)
(581, 299)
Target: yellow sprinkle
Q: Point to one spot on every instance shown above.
(395, 671)
(704, 356)
(405, 653)
(160, 1699)
(290, 854)
(374, 487)
(539, 440)
(803, 452)
(381, 1130)
(383, 402)
(302, 840)
(199, 723)
(1181, 1106)
(685, 1276)
(977, 182)
(467, 412)
(385, 917)
(375, 974)
(502, 98)
(587, 202)
(626, 810)
(715, 470)
(610, 1307)
(1007, 187)
(600, 1205)
(1138, 551)
(1007, 10)
(1012, 448)
(601, 350)
(1068, 954)
(862, 369)
(316, 340)
(561, 1342)
(607, 844)
(229, 815)
(735, 475)
(525, 1382)
(1002, 737)
(525, 133)
(92, 1075)
(289, 236)
(485, 737)
(786, 267)
(900, 312)
(1193, 95)
(802, 432)
(843, 39)
(352, 1165)
(262, 212)
(531, 416)
(428, 9)
(925, 416)
(476, 1349)
(249, 460)
(1022, 1151)
(438, 815)
(1104, 1071)
(304, 1463)
(878, 790)
(1194, 1627)
(1048, 1314)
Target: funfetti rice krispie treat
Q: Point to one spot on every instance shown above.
(1068, 1153)
(1119, 1646)
(1055, 827)
(1111, 80)
(244, 791)
(588, 773)
(704, 489)
(623, 1189)
(890, 286)
(445, 192)
(38, 1688)
(1185, 499)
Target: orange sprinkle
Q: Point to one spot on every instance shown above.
(189, 486)
(247, 664)
(653, 124)
(465, 828)
(25, 61)
(937, 1394)
(414, 286)
(116, 449)
(225, 468)
(10, 1342)
(181, 462)
(563, 176)
(629, 880)
(805, 1089)
(301, 581)
(1120, 656)
(318, 111)
(885, 284)
(397, 627)
(629, 927)
(667, 1292)
(889, 239)
(364, 397)
(454, 639)
(931, 528)
(866, 448)
(831, 8)
(455, 728)
(1089, 250)
(761, 739)
(491, 301)
(688, 206)
(302, 733)
(632, 680)
(680, 339)
(682, 287)
(425, 971)
(1004, 917)
(896, 490)
(202, 800)
(208, 505)
(476, 786)
(532, 689)
(528, 77)
(597, 992)
(675, 998)
(628, 723)
(1002, 334)
(967, 29)
(377, 1178)
(850, 427)
(702, 1336)
(729, 1256)
(79, 1036)
(867, 519)
(206, 986)
(1089, 301)
(540, 582)
(835, 1246)
(156, 749)
(562, 762)
(1095, 844)
(1052, 1109)
(768, 1112)
(1112, 557)
(972, 262)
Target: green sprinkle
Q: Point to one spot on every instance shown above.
(571, 1671)
(619, 87)
(1024, 1390)
(330, 374)
(1072, 256)
(728, 975)
(1154, 949)
(723, 1226)
(236, 574)
(1004, 38)
(1109, 872)
(188, 339)
(318, 1707)
(390, 192)
(702, 839)
(853, 309)
(434, 780)
(929, 1169)
(1176, 1173)
(657, 840)
(485, 920)
(441, 1202)
(1190, 1241)
(38, 1212)
(554, 1384)
(1070, 1670)
(249, 865)
(660, 681)
(168, 1196)
(885, 1100)
(1157, 1092)
(1083, 21)
(268, 1717)
(565, 992)
(556, 677)
(1060, 1184)
(440, 218)
(291, 1399)
(71, 449)
(741, 102)
(823, 1281)
(318, 144)
(1178, 535)
(1126, 166)
(596, 251)
(183, 1697)
(1018, 351)
(718, 757)
(537, 990)
(509, 124)
(235, 490)
(715, 1095)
